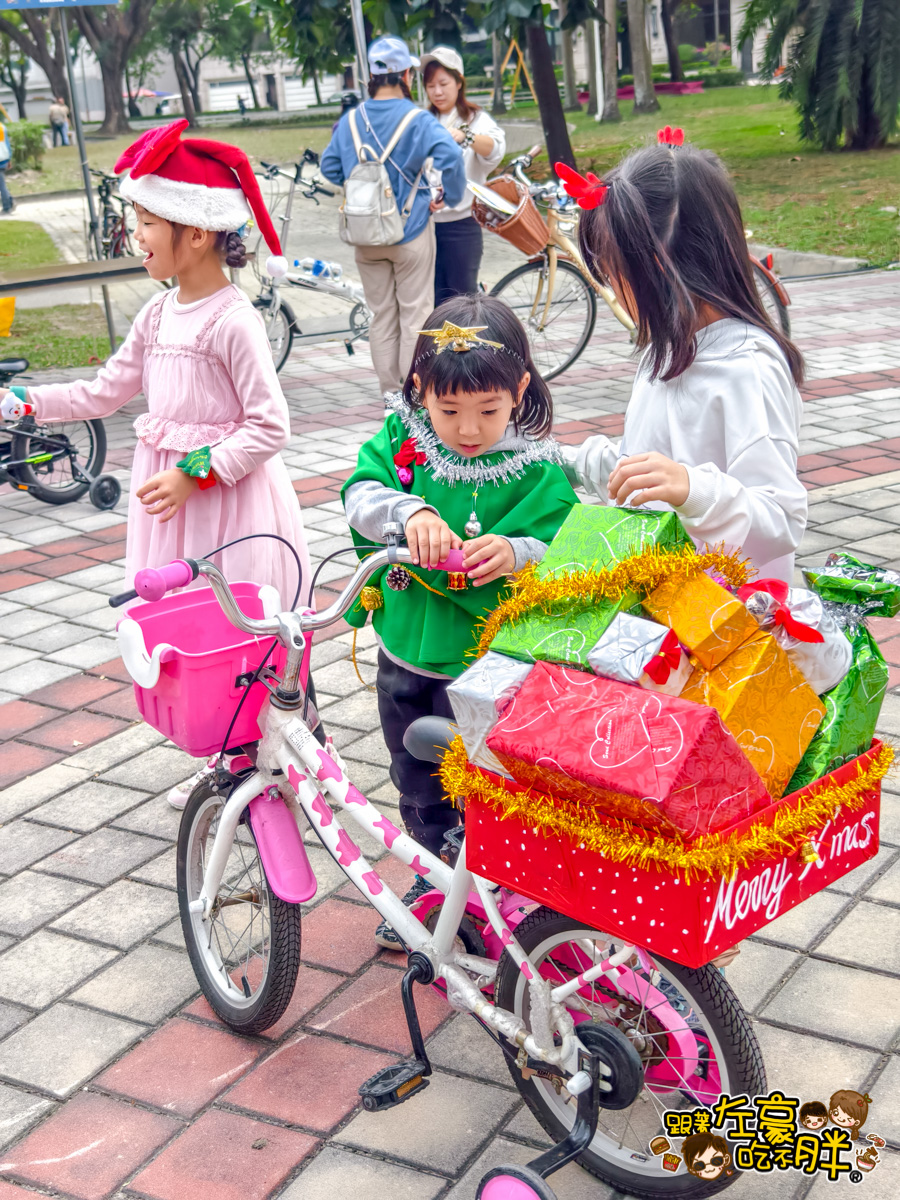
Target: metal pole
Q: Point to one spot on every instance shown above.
(86, 174)
(599, 82)
(359, 37)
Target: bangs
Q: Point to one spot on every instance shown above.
(481, 369)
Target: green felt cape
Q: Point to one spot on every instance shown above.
(436, 632)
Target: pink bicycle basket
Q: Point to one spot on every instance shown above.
(199, 686)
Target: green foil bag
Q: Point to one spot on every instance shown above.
(851, 713)
(591, 537)
(846, 580)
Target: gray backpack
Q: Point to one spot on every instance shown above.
(369, 215)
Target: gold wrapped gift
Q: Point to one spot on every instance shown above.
(708, 621)
(765, 702)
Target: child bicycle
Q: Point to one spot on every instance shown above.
(600, 1036)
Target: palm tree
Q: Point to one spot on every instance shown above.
(843, 69)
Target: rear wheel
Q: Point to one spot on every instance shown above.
(246, 955)
(691, 1010)
(52, 480)
(279, 329)
(558, 332)
(775, 309)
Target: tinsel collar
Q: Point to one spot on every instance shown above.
(447, 467)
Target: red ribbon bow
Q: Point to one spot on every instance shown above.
(665, 660)
(405, 456)
(778, 590)
(670, 136)
(587, 190)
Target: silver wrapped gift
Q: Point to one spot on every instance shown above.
(630, 644)
(479, 696)
(823, 664)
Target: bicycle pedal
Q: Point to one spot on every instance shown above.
(392, 1085)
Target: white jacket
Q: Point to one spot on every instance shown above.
(477, 168)
(733, 419)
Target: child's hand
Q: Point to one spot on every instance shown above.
(492, 554)
(165, 492)
(649, 477)
(430, 538)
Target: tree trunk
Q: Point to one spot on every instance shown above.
(610, 49)
(192, 74)
(184, 86)
(20, 91)
(645, 100)
(133, 110)
(315, 83)
(498, 104)
(114, 119)
(568, 60)
(593, 100)
(869, 133)
(245, 59)
(676, 70)
(553, 119)
(32, 39)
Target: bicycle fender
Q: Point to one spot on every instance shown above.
(281, 849)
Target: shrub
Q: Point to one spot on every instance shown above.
(26, 141)
(626, 80)
(724, 77)
(687, 53)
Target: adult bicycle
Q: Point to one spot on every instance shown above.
(311, 274)
(600, 1036)
(115, 236)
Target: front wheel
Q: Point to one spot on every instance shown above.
(693, 1038)
(280, 325)
(559, 330)
(247, 954)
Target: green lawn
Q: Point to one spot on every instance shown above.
(66, 335)
(25, 244)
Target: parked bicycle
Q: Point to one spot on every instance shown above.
(311, 274)
(115, 236)
(55, 463)
(600, 1036)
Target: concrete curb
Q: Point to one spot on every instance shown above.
(801, 262)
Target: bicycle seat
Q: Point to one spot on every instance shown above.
(428, 739)
(13, 366)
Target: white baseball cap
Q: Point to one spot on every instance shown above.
(446, 56)
(390, 55)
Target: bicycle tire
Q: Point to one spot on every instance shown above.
(551, 354)
(771, 301)
(725, 1028)
(37, 480)
(231, 998)
(280, 333)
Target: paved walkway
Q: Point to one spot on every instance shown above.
(116, 1081)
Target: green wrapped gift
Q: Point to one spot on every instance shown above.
(851, 713)
(846, 580)
(591, 537)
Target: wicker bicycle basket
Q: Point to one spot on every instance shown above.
(525, 229)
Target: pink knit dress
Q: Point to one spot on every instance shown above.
(208, 376)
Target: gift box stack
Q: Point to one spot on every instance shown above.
(642, 707)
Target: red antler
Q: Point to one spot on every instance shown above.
(670, 136)
(587, 190)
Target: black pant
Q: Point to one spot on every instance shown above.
(459, 248)
(403, 697)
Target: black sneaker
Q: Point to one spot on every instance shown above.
(385, 935)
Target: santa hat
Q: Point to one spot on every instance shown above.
(204, 184)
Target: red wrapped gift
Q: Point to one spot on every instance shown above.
(690, 917)
(668, 764)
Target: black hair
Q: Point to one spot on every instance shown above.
(670, 228)
(483, 368)
(232, 249)
(393, 79)
(813, 1108)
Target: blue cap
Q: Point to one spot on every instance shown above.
(390, 55)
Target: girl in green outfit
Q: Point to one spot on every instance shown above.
(464, 460)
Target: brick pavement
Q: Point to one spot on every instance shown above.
(116, 1080)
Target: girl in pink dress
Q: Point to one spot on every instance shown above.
(200, 355)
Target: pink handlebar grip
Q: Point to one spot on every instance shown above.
(152, 583)
(453, 561)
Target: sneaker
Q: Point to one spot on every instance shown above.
(178, 796)
(385, 935)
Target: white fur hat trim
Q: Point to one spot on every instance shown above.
(194, 204)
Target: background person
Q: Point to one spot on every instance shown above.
(59, 121)
(458, 235)
(398, 280)
(5, 159)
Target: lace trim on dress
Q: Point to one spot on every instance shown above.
(200, 348)
(162, 433)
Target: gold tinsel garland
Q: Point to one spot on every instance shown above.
(640, 573)
(622, 842)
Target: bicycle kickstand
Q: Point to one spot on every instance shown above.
(392, 1085)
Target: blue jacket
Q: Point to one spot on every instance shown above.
(423, 138)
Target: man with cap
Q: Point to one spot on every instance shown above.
(398, 280)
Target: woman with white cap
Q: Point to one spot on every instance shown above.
(483, 143)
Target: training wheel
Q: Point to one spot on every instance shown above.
(514, 1183)
(104, 492)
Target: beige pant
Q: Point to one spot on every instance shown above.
(399, 286)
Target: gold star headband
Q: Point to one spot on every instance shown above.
(456, 337)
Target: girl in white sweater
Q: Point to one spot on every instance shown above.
(713, 423)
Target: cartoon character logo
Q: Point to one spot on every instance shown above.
(706, 1155)
(849, 1110)
(814, 1115)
